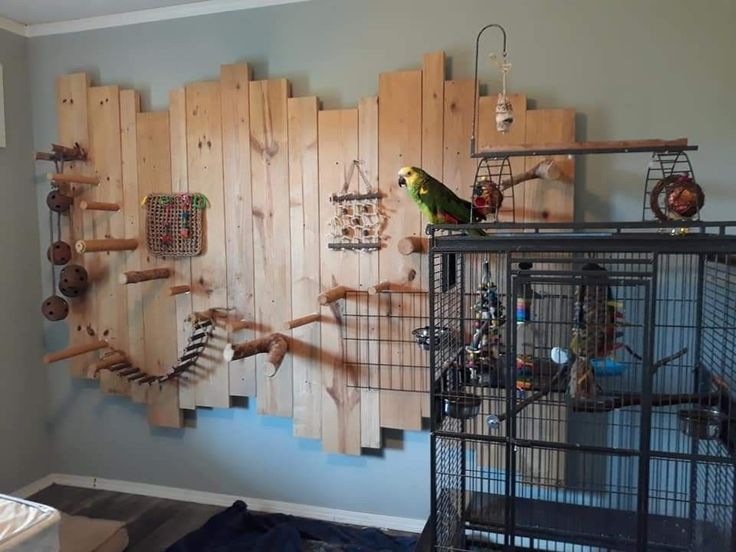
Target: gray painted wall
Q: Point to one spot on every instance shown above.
(25, 448)
(633, 69)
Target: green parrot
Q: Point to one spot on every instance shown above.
(436, 201)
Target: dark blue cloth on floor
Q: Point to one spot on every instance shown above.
(237, 530)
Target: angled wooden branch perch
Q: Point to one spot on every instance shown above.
(333, 294)
(302, 321)
(413, 244)
(275, 344)
(76, 350)
(137, 276)
(178, 290)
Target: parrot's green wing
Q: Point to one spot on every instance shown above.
(444, 205)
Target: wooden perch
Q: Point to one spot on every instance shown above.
(276, 345)
(603, 146)
(138, 276)
(331, 295)
(413, 244)
(237, 325)
(92, 246)
(178, 290)
(106, 362)
(546, 170)
(73, 179)
(63, 153)
(302, 321)
(76, 350)
(86, 205)
(385, 285)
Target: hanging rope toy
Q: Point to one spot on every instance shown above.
(504, 109)
(175, 224)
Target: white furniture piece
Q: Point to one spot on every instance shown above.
(26, 526)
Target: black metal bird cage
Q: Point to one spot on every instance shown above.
(583, 394)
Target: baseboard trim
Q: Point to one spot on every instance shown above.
(362, 519)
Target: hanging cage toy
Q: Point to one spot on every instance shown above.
(358, 219)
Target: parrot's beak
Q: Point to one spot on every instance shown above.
(402, 182)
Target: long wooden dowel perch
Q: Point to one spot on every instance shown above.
(385, 285)
(106, 362)
(302, 321)
(87, 205)
(333, 294)
(76, 350)
(138, 276)
(413, 244)
(178, 290)
(112, 244)
(67, 178)
(275, 344)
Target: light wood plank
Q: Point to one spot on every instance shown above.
(370, 418)
(72, 120)
(338, 148)
(129, 108)
(205, 174)
(305, 264)
(182, 265)
(159, 313)
(400, 115)
(235, 87)
(271, 232)
(459, 167)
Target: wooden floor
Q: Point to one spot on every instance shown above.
(153, 523)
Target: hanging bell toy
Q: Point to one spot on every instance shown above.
(73, 280)
(59, 253)
(55, 308)
(58, 202)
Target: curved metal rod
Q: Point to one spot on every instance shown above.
(475, 79)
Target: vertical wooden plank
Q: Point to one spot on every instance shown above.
(182, 265)
(370, 426)
(110, 300)
(550, 201)
(400, 115)
(159, 312)
(235, 89)
(271, 229)
(129, 108)
(305, 264)
(338, 148)
(489, 137)
(205, 174)
(459, 167)
(71, 109)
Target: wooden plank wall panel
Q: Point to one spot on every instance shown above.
(71, 109)
(459, 168)
(370, 419)
(550, 201)
(209, 277)
(234, 84)
(182, 265)
(305, 264)
(400, 115)
(489, 137)
(129, 108)
(159, 312)
(338, 147)
(110, 302)
(271, 229)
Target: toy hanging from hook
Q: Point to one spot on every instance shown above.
(504, 109)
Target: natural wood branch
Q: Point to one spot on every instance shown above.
(302, 321)
(331, 295)
(237, 325)
(547, 170)
(106, 362)
(138, 276)
(413, 244)
(86, 205)
(276, 345)
(73, 179)
(76, 350)
(385, 285)
(178, 290)
(76, 152)
(92, 246)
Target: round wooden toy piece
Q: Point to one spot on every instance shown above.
(73, 280)
(55, 308)
(58, 202)
(59, 253)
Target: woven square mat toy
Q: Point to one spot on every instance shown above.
(175, 224)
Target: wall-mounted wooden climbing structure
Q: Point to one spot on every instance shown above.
(272, 293)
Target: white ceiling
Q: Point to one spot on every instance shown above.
(33, 12)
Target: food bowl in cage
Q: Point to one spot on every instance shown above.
(701, 422)
(426, 335)
(461, 406)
